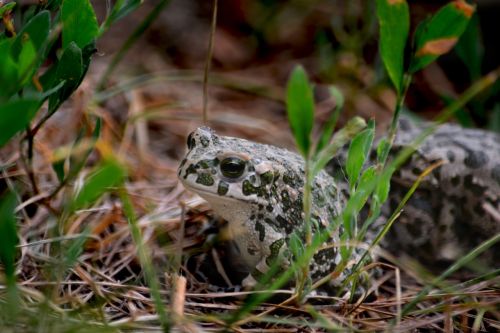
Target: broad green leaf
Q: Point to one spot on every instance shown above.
(15, 116)
(440, 33)
(108, 174)
(300, 108)
(26, 61)
(394, 21)
(358, 153)
(70, 70)
(28, 49)
(332, 120)
(383, 148)
(79, 23)
(8, 234)
(384, 186)
(8, 70)
(36, 29)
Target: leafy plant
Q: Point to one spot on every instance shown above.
(43, 60)
(434, 37)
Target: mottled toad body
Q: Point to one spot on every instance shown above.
(258, 189)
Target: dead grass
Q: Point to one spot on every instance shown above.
(105, 287)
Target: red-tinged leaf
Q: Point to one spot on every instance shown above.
(439, 34)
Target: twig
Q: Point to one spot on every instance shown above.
(208, 61)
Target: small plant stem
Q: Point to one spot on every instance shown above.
(399, 106)
(28, 160)
(209, 61)
(153, 14)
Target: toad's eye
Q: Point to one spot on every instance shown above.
(232, 167)
(190, 141)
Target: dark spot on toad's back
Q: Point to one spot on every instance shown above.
(248, 188)
(455, 180)
(284, 224)
(451, 156)
(470, 185)
(275, 250)
(416, 171)
(261, 230)
(475, 159)
(266, 178)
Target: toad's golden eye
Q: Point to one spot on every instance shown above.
(232, 167)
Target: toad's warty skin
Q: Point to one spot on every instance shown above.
(258, 189)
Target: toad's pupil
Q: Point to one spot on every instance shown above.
(232, 167)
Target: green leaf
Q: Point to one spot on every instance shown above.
(300, 108)
(29, 46)
(332, 121)
(36, 29)
(79, 23)
(70, 70)
(358, 153)
(26, 61)
(384, 186)
(58, 167)
(394, 21)
(8, 234)
(8, 70)
(440, 33)
(15, 116)
(383, 149)
(108, 174)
